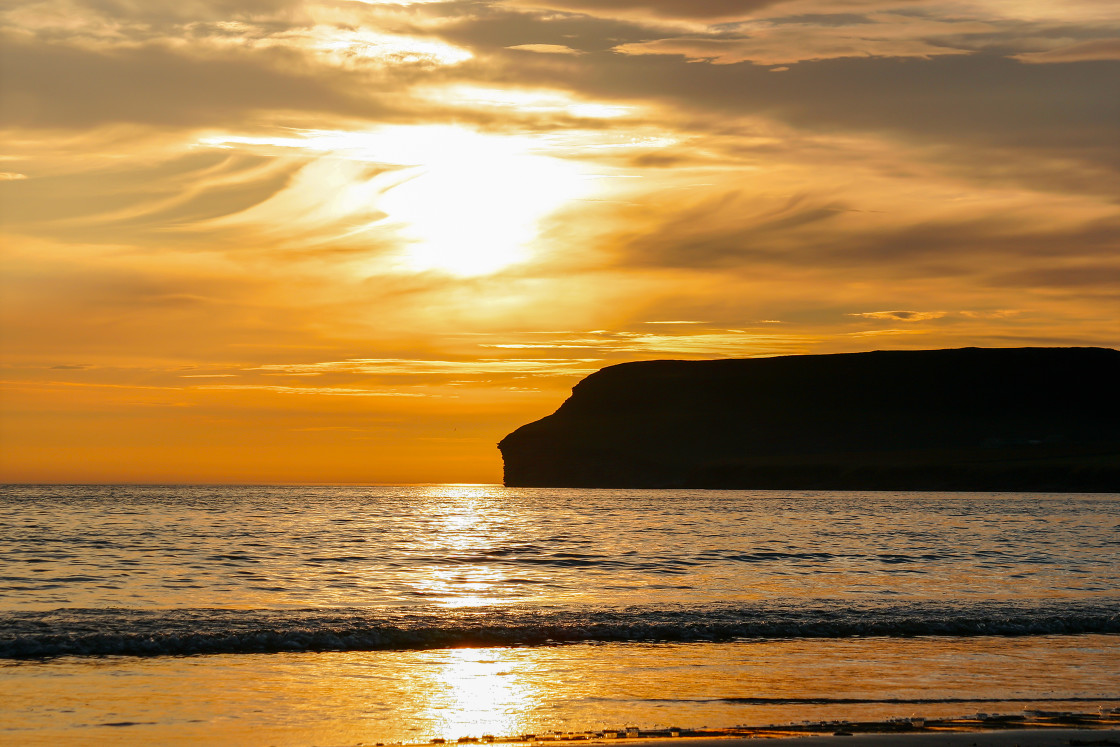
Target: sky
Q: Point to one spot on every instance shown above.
(340, 241)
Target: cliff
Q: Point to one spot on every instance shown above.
(1038, 419)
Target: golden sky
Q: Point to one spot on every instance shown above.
(355, 241)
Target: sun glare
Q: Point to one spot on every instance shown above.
(479, 691)
(475, 203)
(463, 202)
(524, 101)
(348, 47)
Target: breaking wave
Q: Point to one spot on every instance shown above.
(125, 632)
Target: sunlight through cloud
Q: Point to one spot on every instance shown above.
(474, 212)
(525, 101)
(465, 204)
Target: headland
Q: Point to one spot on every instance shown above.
(969, 419)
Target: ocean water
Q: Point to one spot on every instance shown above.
(344, 615)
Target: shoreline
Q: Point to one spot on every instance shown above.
(1032, 729)
(1083, 737)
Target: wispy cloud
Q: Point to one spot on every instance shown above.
(994, 314)
(545, 48)
(722, 342)
(315, 390)
(1097, 49)
(786, 41)
(675, 321)
(886, 332)
(902, 316)
(394, 366)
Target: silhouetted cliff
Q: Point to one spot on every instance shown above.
(1039, 419)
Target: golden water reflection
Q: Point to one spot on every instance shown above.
(470, 691)
(476, 692)
(464, 525)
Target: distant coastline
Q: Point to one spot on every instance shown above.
(990, 419)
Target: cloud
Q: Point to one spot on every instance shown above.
(902, 316)
(80, 64)
(958, 99)
(992, 314)
(176, 198)
(54, 85)
(931, 76)
(886, 332)
(1100, 276)
(705, 343)
(321, 390)
(944, 78)
(723, 230)
(811, 234)
(397, 366)
(545, 48)
(657, 10)
(81, 385)
(158, 12)
(1097, 49)
(778, 49)
(490, 28)
(789, 40)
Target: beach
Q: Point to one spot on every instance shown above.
(981, 730)
(1104, 737)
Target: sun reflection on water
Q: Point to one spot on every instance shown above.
(476, 692)
(463, 527)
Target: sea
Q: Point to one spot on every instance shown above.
(342, 615)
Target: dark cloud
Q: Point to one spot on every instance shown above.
(97, 293)
(664, 9)
(961, 99)
(973, 97)
(950, 98)
(1088, 276)
(1097, 49)
(494, 28)
(175, 11)
(710, 237)
(51, 85)
(822, 19)
(721, 233)
(978, 95)
(1060, 167)
(1053, 125)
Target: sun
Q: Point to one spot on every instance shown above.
(452, 199)
(474, 204)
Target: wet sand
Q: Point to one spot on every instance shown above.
(1029, 730)
(1009, 738)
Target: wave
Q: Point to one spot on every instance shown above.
(114, 632)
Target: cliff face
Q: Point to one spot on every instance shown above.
(970, 419)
